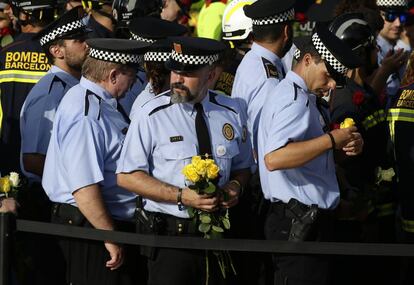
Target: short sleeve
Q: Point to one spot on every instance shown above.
(288, 125)
(83, 153)
(137, 145)
(245, 157)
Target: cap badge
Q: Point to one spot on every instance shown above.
(177, 48)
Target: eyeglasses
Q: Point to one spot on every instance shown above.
(391, 16)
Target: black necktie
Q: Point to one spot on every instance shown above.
(203, 136)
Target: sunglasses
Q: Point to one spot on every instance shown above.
(391, 16)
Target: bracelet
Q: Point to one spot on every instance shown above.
(235, 181)
(179, 201)
(332, 140)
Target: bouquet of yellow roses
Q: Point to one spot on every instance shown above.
(9, 184)
(202, 173)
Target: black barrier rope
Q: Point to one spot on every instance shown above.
(330, 248)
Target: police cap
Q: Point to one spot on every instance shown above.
(67, 26)
(159, 51)
(148, 29)
(392, 4)
(268, 12)
(339, 58)
(190, 54)
(120, 51)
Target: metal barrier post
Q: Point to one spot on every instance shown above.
(7, 222)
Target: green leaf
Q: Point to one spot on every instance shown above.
(218, 229)
(205, 219)
(191, 212)
(226, 223)
(204, 228)
(210, 189)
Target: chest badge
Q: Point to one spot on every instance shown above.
(176, 139)
(228, 131)
(221, 150)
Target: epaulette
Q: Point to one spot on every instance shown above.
(88, 95)
(160, 105)
(56, 79)
(271, 70)
(215, 96)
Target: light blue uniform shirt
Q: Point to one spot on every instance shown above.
(131, 95)
(142, 98)
(162, 139)
(258, 66)
(394, 80)
(38, 113)
(84, 149)
(292, 116)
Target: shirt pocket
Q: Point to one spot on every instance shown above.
(171, 159)
(224, 153)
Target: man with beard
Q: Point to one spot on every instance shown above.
(272, 34)
(84, 149)
(296, 164)
(164, 136)
(64, 43)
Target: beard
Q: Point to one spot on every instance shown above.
(75, 61)
(179, 97)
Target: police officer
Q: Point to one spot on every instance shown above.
(21, 66)
(154, 31)
(295, 157)
(272, 33)
(79, 173)
(153, 157)
(394, 14)
(64, 43)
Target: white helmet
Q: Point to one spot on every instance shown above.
(236, 25)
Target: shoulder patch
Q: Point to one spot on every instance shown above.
(271, 70)
(213, 99)
(296, 91)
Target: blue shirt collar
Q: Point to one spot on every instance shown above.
(98, 90)
(295, 78)
(267, 54)
(189, 107)
(64, 76)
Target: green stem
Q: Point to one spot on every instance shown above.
(207, 268)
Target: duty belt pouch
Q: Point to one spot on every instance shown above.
(303, 217)
(68, 214)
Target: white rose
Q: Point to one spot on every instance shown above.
(14, 179)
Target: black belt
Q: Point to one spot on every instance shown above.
(282, 208)
(171, 225)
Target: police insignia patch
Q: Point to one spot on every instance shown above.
(177, 48)
(244, 134)
(271, 71)
(228, 131)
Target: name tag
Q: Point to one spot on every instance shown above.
(176, 139)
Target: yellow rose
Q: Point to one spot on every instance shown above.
(195, 159)
(200, 167)
(209, 162)
(5, 185)
(190, 173)
(212, 171)
(347, 123)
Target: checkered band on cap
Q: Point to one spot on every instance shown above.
(288, 15)
(296, 54)
(327, 55)
(117, 57)
(392, 3)
(157, 56)
(78, 24)
(138, 38)
(194, 59)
